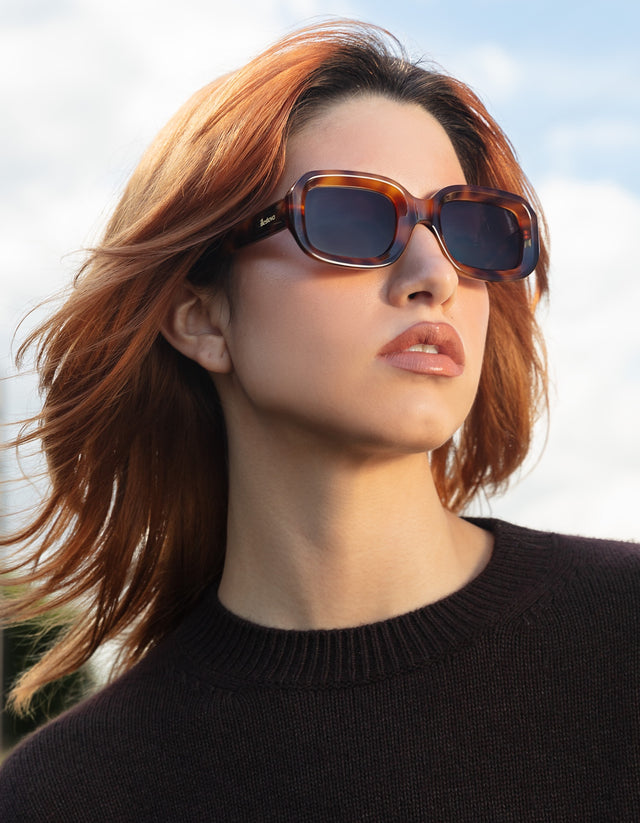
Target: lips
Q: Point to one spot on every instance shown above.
(427, 348)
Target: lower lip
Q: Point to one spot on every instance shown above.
(421, 363)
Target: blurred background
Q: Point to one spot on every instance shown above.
(84, 86)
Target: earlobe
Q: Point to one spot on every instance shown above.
(195, 325)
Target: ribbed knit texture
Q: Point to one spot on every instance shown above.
(514, 699)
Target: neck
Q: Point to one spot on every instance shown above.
(318, 543)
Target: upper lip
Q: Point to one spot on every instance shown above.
(442, 335)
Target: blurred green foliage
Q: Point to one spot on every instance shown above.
(22, 645)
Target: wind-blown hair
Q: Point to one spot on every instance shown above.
(133, 523)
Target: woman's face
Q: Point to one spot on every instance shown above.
(310, 343)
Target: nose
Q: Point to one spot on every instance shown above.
(423, 272)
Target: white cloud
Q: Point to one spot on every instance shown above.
(488, 68)
(593, 143)
(594, 134)
(565, 78)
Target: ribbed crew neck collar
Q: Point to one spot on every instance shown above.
(225, 650)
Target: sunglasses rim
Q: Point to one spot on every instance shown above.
(289, 213)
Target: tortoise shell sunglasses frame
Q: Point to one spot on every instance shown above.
(506, 234)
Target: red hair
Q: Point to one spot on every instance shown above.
(134, 521)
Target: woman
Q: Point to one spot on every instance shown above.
(312, 343)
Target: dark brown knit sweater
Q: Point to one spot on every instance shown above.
(514, 699)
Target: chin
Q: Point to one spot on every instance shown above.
(401, 444)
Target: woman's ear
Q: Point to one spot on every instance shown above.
(196, 324)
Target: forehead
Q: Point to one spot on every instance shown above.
(378, 135)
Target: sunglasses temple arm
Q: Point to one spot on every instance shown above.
(266, 222)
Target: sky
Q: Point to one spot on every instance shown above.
(85, 85)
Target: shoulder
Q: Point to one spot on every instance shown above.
(583, 579)
(601, 552)
(606, 573)
(586, 553)
(80, 757)
(566, 571)
(611, 564)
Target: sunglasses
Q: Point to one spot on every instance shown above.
(365, 221)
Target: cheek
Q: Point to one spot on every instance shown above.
(473, 318)
(280, 331)
(483, 321)
(288, 305)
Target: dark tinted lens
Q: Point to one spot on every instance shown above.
(349, 222)
(481, 235)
